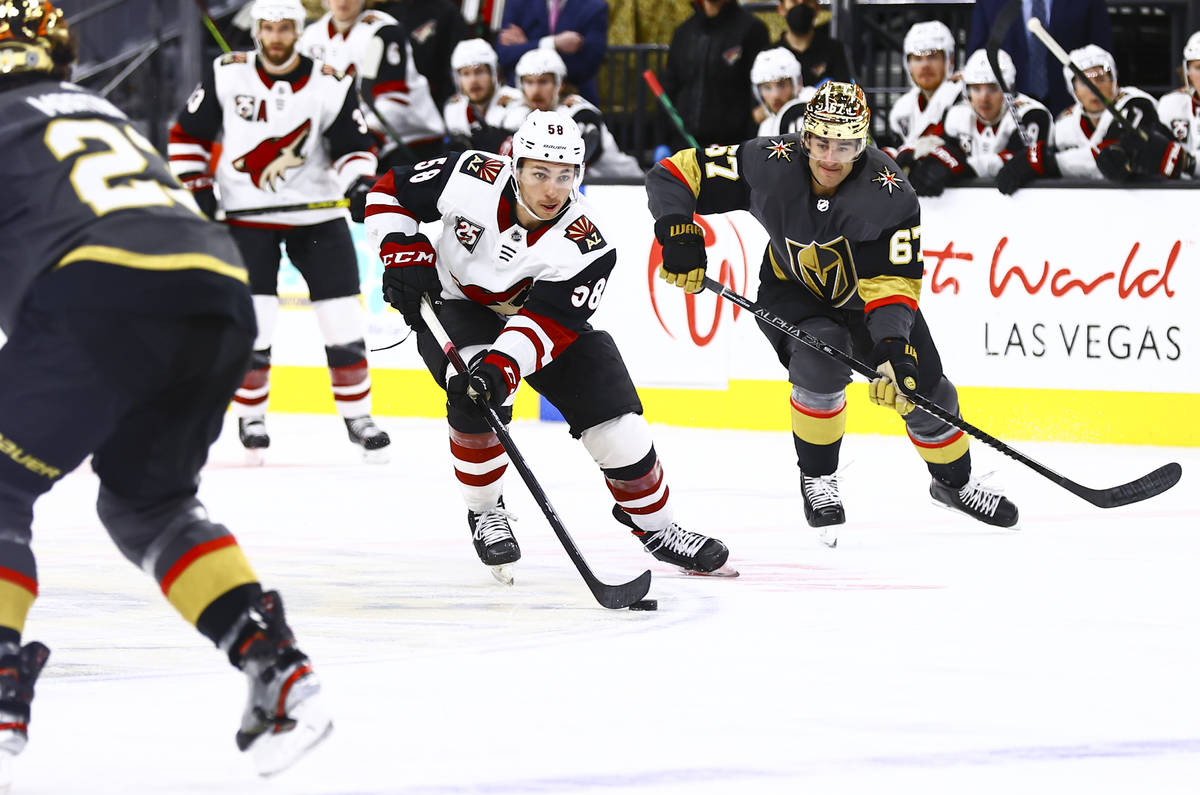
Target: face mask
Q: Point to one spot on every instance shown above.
(800, 19)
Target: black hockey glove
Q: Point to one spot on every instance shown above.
(684, 257)
(1158, 156)
(896, 361)
(494, 378)
(409, 272)
(931, 174)
(357, 194)
(1025, 166)
(1114, 163)
(201, 186)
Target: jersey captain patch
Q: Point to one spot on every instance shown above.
(482, 167)
(585, 235)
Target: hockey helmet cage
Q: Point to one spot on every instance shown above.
(777, 63)
(276, 11)
(1089, 57)
(34, 38)
(926, 38)
(978, 70)
(542, 62)
(473, 52)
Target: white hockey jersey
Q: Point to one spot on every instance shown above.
(547, 282)
(603, 156)
(375, 49)
(288, 139)
(1180, 112)
(988, 146)
(1077, 139)
(790, 118)
(913, 114)
(462, 117)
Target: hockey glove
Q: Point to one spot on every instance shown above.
(410, 271)
(494, 379)
(357, 194)
(1114, 163)
(201, 186)
(1026, 166)
(684, 257)
(896, 361)
(1158, 156)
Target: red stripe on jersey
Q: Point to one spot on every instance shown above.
(485, 479)
(536, 234)
(351, 158)
(891, 299)
(560, 336)
(534, 340)
(257, 225)
(178, 136)
(675, 172)
(181, 158)
(380, 209)
(389, 86)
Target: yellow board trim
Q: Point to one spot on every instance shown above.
(1009, 413)
(880, 287)
(208, 577)
(15, 602)
(154, 262)
(685, 160)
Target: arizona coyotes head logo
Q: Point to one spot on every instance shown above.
(506, 302)
(270, 160)
(585, 235)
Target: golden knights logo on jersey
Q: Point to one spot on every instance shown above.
(826, 269)
(270, 160)
(482, 167)
(585, 235)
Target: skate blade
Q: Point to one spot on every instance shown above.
(828, 535)
(724, 571)
(503, 573)
(274, 753)
(6, 771)
(256, 456)
(381, 456)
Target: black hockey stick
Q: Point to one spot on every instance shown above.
(1000, 25)
(1143, 488)
(614, 597)
(331, 204)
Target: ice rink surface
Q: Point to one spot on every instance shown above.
(926, 654)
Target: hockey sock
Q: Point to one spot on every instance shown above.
(350, 378)
(218, 618)
(251, 397)
(479, 465)
(203, 572)
(818, 424)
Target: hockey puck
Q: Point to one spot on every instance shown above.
(645, 604)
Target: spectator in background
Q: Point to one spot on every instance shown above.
(1180, 110)
(929, 56)
(475, 116)
(1072, 23)
(707, 75)
(576, 29)
(540, 74)
(980, 135)
(821, 56)
(781, 97)
(434, 27)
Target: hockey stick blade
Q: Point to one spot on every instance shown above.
(1143, 488)
(614, 597)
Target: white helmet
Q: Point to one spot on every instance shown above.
(551, 136)
(1191, 52)
(1089, 57)
(473, 52)
(775, 64)
(978, 70)
(275, 11)
(925, 38)
(542, 62)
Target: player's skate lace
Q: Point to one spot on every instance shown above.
(363, 431)
(491, 526)
(674, 538)
(980, 498)
(822, 491)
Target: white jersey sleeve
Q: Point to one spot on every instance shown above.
(1180, 112)
(1077, 139)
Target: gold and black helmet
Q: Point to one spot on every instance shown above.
(838, 110)
(33, 38)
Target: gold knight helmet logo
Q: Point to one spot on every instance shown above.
(826, 269)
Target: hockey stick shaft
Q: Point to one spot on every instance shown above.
(669, 106)
(1037, 29)
(212, 26)
(332, 204)
(1000, 26)
(614, 597)
(1143, 488)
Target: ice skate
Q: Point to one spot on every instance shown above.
(494, 541)
(823, 506)
(253, 433)
(366, 434)
(284, 716)
(976, 500)
(19, 669)
(694, 553)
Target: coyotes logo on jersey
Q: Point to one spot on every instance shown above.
(271, 159)
(585, 235)
(506, 302)
(482, 167)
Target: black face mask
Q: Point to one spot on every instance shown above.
(800, 19)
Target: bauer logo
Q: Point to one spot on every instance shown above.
(701, 314)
